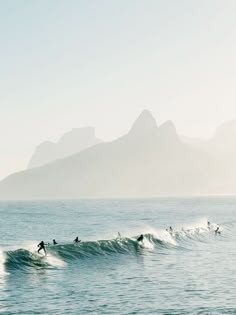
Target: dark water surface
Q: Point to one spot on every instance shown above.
(192, 271)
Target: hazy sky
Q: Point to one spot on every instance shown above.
(75, 63)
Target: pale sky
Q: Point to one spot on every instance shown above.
(74, 63)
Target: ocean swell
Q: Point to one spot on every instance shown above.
(61, 254)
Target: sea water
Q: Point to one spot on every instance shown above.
(189, 271)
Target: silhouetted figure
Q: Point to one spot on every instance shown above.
(76, 240)
(217, 231)
(171, 229)
(119, 235)
(140, 238)
(208, 225)
(41, 246)
(54, 242)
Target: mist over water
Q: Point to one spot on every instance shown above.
(108, 100)
(80, 166)
(191, 271)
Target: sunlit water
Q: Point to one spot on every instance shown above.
(192, 271)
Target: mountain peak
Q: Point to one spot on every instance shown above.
(145, 123)
(168, 125)
(168, 131)
(74, 141)
(227, 129)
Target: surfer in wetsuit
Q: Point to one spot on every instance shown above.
(41, 246)
(208, 225)
(76, 240)
(54, 242)
(171, 229)
(217, 231)
(140, 238)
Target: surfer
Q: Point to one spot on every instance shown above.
(76, 240)
(140, 238)
(208, 225)
(41, 246)
(119, 235)
(217, 231)
(170, 229)
(54, 242)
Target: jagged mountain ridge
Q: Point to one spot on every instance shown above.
(221, 145)
(148, 161)
(78, 139)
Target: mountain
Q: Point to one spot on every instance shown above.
(194, 142)
(147, 161)
(223, 143)
(76, 140)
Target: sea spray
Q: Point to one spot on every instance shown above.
(59, 255)
(2, 265)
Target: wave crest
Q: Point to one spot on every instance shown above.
(60, 254)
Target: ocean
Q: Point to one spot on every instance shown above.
(191, 270)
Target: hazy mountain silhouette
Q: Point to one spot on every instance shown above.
(76, 140)
(221, 145)
(222, 149)
(147, 161)
(223, 142)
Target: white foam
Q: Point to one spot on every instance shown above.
(164, 236)
(2, 267)
(161, 235)
(200, 223)
(147, 244)
(54, 261)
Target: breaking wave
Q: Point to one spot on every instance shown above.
(59, 255)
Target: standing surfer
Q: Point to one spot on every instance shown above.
(217, 231)
(76, 240)
(140, 238)
(41, 246)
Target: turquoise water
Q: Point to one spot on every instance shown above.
(192, 271)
